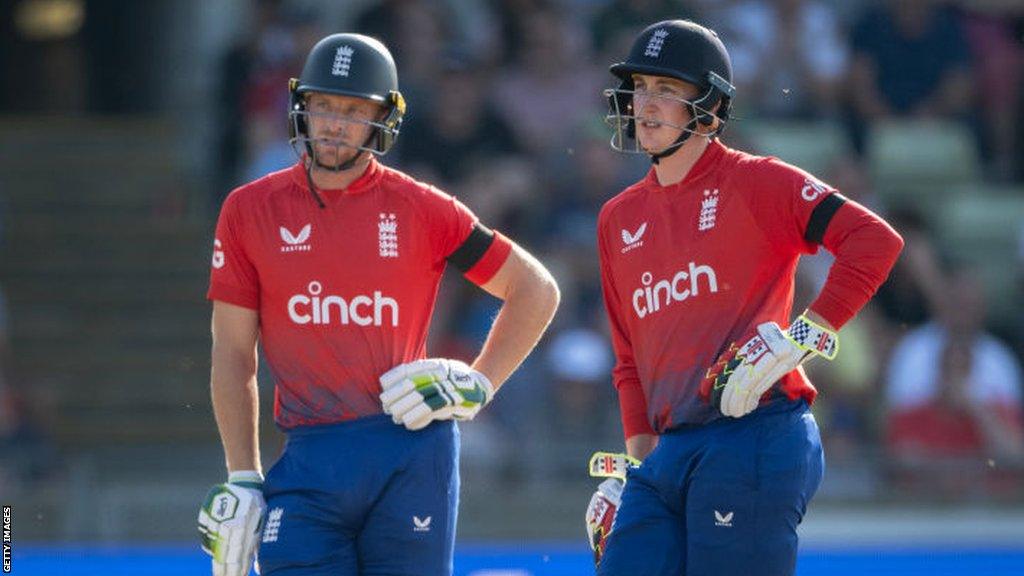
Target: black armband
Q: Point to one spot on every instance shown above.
(821, 216)
(473, 248)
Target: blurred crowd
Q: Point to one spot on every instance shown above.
(505, 112)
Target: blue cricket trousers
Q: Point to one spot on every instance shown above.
(365, 497)
(723, 499)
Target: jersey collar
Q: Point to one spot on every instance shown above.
(707, 161)
(365, 182)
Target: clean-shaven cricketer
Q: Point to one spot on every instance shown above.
(697, 266)
(333, 266)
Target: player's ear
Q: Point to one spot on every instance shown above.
(715, 123)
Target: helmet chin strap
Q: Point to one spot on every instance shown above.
(675, 146)
(314, 159)
(312, 187)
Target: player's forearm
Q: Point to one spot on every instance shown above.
(866, 97)
(524, 316)
(819, 319)
(236, 407)
(866, 248)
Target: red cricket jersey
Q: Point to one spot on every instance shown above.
(691, 267)
(345, 292)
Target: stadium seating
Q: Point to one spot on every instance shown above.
(920, 161)
(105, 280)
(813, 146)
(979, 226)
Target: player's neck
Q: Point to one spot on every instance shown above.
(673, 168)
(325, 179)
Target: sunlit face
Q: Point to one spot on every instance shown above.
(659, 110)
(338, 125)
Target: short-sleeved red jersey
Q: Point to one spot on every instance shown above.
(691, 267)
(344, 292)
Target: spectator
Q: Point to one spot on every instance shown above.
(235, 70)
(282, 48)
(382, 20)
(512, 26)
(551, 87)
(959, 428)
(461, 123)
(613, 26)
(913, 371)
(417, 31)
(253, 93)
(954, 399)
(999, 70)
(789, 54)
(912, 294)
(910, 59)
(509, 192)
(593, 174)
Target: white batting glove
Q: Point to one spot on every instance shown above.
(600, 516)
(229, 522)
(604, 504)
(417, 393)
(743, 374)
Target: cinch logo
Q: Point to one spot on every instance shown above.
(304, 309)
(812, 189)
(684, 284)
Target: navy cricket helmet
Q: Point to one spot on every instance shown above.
(349, 65)
(679, 49)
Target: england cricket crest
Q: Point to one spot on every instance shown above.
(273, 526)
(708, 210)
(342, 61)
(655, 44)
(387, 235)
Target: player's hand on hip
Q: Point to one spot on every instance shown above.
(744, 373)
(229, 523)
(417, 393)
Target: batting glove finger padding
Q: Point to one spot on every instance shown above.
(417, 393)
(743, 374)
